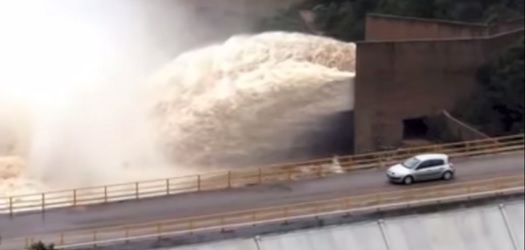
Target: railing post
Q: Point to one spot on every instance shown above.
(11, 206)
(379, 162)
(159, 231)
(348, 203)
(95, 238)
(379, 199)
(137, 190)
(43, 202)
(62, 239)
(199, 183)
(105, 194)
(229, 179)
(74, 197)
(260, 176)
(126, 234)
(167, 186)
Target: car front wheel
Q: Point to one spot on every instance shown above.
(408, 180)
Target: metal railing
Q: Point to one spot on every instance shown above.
(246, 177)
(159, 229)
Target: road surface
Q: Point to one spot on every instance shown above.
(195, 204)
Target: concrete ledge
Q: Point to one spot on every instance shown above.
(308, 222)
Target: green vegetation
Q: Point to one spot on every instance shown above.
(496, 107)
(345, 19)
(42, 246)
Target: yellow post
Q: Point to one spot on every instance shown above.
(95, 238)
(229, 179)
(126, 234)
(260, 176)
(167, 186)
(496, 146)
(74, 197)
(105, 194)
(43, 202)
(137, 190)
(199, 183)
(11, 206)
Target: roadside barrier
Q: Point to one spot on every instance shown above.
(159, 229)
(252, 176)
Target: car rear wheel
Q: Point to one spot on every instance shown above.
(408, 180)
(448, 176)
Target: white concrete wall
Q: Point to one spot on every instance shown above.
(481, 228)
(360, 236)
(244, 244)
(515, 214)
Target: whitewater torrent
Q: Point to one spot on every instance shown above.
(250, 100)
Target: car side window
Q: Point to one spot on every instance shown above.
(439, 163)
(425, 164)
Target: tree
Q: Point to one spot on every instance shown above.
(345, 19)
(497, 106)
(41, 246)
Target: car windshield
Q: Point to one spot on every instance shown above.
(410, 163)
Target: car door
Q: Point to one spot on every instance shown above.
(436, 171)
(422, 171)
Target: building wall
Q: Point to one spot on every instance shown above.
(397, 80)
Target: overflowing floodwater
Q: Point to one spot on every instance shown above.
(250, 100)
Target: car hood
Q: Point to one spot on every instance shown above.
(398, 170)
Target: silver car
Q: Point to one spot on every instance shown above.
(422, 168)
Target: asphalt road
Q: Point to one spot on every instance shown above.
(184, 205)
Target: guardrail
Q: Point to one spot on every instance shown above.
(125, 234)
(246, 177)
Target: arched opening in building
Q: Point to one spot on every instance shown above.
(415, 128)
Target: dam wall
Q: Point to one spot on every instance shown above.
(411, 68)
(486, 227)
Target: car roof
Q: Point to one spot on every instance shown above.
(424, 157)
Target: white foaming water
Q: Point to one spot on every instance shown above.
(248, 100)
(251, 99)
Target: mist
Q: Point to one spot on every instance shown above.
(71, 84)
(82, 102)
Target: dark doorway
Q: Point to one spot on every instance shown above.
(415, 128)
